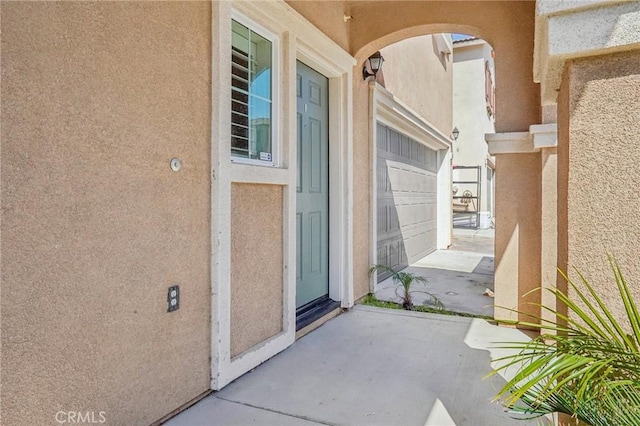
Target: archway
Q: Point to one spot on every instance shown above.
(363, 28)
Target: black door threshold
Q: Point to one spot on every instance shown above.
(314, 310)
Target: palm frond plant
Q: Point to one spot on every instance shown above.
(587, 367)
(404, 282)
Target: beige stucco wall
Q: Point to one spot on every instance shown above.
(598, 166)
(422, 78)
(362, 154)
(96, 100)
(563, 181)
(548, 228)
(328, 16)
(256, 264)
(517, 242)
(507, 26)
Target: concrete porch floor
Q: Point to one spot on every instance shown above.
(370, 366)
(458, 277)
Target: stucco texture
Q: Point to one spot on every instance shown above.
(328, 16)
(256, 264)
(518, 237)
(362, 152)
(549, 228)
(422, 78)
(598, 166)
(96, 100)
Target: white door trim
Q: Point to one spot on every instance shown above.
(298, 40)
(340, 171)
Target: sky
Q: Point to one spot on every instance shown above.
(460, 36)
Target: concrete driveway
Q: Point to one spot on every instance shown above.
(458, 277)
(370, 366)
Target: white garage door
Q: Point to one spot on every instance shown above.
(406, 194)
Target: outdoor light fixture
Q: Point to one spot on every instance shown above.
(455, 133)
(375, 63)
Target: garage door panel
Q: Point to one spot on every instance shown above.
(407, 189)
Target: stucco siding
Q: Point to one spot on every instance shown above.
(599, 161)
(328, 16)
(518, 234)
(96, 100)
(256, 264)
(420, 76)
(362, 152)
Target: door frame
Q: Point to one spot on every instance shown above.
(340, 173)
(297, 39)
(325, 107)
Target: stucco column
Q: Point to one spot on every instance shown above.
(587, 59)
(599, 111)
(545, 139)
(526, 224)
(518, 225)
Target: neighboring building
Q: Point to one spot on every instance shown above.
(474, 116)
(227, 148)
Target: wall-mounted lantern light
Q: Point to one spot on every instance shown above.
(375, 64)
(455, 133)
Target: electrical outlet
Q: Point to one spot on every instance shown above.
(173, 298)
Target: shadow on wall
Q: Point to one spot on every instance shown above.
(391, 249)
(437, 51)
(406, 193)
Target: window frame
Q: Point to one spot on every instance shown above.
(275, 92)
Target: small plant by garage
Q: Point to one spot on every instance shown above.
(404, 281)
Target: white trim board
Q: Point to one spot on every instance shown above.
(298, 40)
(393, 112)
(539, 136)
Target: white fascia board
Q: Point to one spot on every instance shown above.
(578, 29)
(401, 117)
(468, 43)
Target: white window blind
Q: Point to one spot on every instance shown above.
(251, 94)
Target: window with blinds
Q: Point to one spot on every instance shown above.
(489, 90)
(251, 94)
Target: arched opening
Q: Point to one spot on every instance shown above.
(433, 193)
(507, 26)
(362, 28)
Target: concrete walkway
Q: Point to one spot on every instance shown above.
(370, 366)
(458, 277)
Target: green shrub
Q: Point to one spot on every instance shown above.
(404, 281)
(588, 368)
